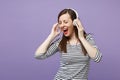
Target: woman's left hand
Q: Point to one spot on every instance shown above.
(80, 28)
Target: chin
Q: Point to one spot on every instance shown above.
(66, 35)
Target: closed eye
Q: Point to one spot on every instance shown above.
(66, 22)
(59, 23)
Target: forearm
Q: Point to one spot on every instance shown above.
(89, 48)
(44, 46)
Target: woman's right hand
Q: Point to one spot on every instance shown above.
(44, 46)
(55, 30)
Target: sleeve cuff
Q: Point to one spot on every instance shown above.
(97, 57)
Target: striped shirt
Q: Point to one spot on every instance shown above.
(74, 65)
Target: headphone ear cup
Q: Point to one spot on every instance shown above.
(74, 23)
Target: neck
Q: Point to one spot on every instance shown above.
(73, 40)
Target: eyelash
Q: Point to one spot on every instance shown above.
(64, 22)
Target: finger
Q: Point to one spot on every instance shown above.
(55, 26)
(58, 29)
(79, 27)
(80, 24)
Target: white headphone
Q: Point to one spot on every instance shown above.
(75, 12)
(74, 22)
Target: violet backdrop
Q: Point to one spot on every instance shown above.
(25, 24)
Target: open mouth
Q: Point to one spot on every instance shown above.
(65, 31)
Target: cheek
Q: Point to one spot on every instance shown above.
(71, 29)
(69, 26)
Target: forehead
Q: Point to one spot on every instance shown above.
(64, 17)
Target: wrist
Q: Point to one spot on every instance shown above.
(51, 36)
(81, 38)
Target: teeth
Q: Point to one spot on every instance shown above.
(65, 28)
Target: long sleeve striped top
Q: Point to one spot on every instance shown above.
(74, 65)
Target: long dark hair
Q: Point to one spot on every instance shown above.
(63, 42)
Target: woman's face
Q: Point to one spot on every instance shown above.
(66, 25)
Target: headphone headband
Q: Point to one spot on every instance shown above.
(75, 12)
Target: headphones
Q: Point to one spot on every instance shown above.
(74, 22)
(75, 12)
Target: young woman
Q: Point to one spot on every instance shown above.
(76, 47)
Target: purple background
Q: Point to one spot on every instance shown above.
(25, 24)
